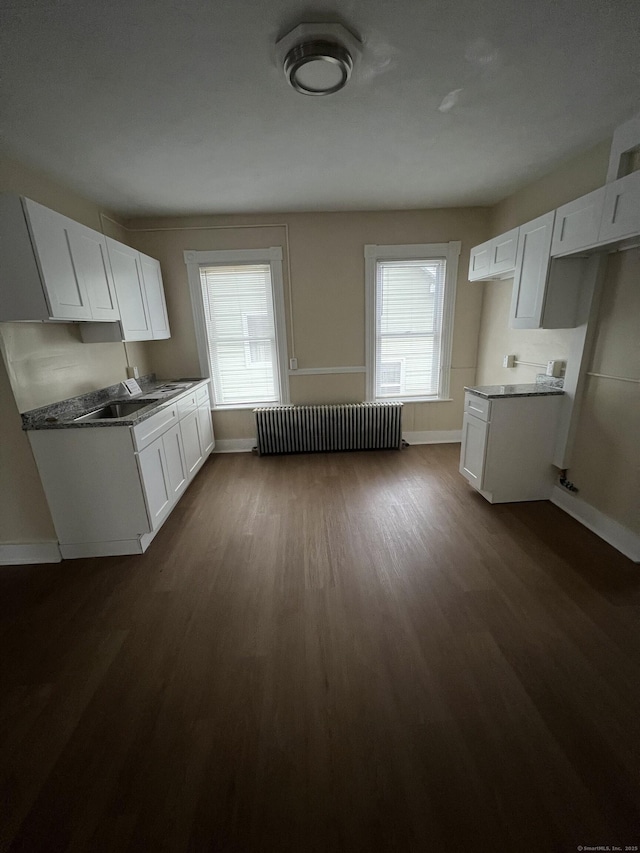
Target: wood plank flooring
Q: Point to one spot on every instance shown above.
(333, 652)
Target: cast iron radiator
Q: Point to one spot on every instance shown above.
(352, 426)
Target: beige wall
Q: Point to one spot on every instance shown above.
(570, 180)
(605, 463)
(326, 295)
(42, 363)
(606, 456)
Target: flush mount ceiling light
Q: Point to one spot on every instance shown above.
(318, 58)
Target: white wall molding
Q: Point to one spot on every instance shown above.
(28, 553)
(235, 445)
(620, 537)
(437, 436)
(312, 371)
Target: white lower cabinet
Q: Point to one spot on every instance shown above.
(508, 445)
(164, 474)
(190, 431)
(206, 428)
(110, 489)
(474, 443)
(177, 473)
(155, 481)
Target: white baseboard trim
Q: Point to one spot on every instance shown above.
(235, 445)
(79, 550)
(437, 436)
(29, 553)
(620, 537)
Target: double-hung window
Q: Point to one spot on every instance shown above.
(410, 304)
(238, 307)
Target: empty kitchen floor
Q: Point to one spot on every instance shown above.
(333, 652)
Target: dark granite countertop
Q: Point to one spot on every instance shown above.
(491, 392)
(62, 415)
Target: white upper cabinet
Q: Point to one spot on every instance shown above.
(89, 253)
(621, 213)
(130, 289)
(479, 261)
(52, 268)
(143, 310)
(504, 249)
(494, 259)
(577, 224)
(154, 289)
(546, 290)
(530, 278)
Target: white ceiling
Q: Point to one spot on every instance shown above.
(178, 106)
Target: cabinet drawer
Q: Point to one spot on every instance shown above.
(187, 404)
(153, 427)
(202, 395)
(479, 407)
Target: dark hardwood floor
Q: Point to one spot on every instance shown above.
(340, 652)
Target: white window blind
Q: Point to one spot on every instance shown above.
(409, 302)
(241, 336)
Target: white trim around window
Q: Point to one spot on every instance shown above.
(450, 252)
(271, 256)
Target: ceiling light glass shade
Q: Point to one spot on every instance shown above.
(318, 67)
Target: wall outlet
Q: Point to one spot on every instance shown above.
(509, 361)
(293, 364)
(133, 373)
(555, 368)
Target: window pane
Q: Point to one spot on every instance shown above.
(238, 306)
(409, 303)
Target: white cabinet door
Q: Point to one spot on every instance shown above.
(503, 253)
(91, 262)
(621, 213)
(156, 483)
(480, 261)
(192, 442)
(129, 284)
(206, 429)
(532, 267)
(577, 224)
(65, 290)
(494, 259)
(154, 289)
(176, 464)
(473, 449)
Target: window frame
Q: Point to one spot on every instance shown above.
(271, 256)
(411, 252)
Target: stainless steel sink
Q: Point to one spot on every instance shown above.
(114, 410)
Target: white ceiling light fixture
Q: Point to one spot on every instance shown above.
(318, 59)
